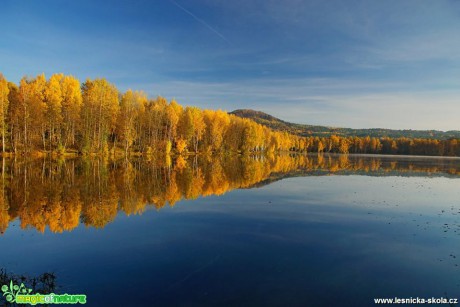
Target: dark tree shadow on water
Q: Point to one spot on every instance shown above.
(44, 284)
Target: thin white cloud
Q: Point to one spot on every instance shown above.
(204, 23)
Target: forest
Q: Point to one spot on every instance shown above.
(60, 116)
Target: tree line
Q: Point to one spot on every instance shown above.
(61, 115)
(384, 145)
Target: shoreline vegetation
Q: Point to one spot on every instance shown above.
(44, 283)
(62, 117)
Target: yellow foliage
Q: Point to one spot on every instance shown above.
(181, 145)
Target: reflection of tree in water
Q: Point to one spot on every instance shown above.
(60, 194)
(44, 283)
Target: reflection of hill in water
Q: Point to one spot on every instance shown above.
(60, 194)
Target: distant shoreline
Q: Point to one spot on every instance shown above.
(121, 154)
(392, 156)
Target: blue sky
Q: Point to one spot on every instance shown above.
(361, 64)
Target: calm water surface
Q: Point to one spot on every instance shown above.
(281, 231)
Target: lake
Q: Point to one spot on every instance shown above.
(282, 230)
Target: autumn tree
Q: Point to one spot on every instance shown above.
(154, 124)
(249, 137)
(4, 102)
(71, 110)
(33, 111)
(344, 145)
(234, 134)
(192, 126)
(132, 108)
(173, 111)
(53, 100)
(99, 114)
(14, 119)
(217, 123)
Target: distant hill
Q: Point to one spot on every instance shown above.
(311, 130)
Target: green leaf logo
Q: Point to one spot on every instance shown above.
(10, 292)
